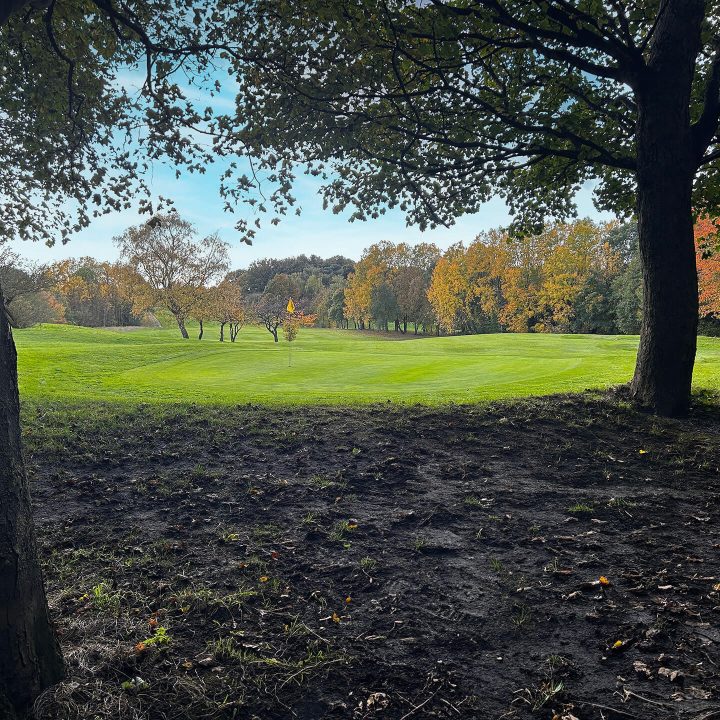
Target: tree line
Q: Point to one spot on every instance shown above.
(579, 277)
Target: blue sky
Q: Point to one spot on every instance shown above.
(315, 231)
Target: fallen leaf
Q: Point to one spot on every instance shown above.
(264, 578)
(671, 675)
(603, 581)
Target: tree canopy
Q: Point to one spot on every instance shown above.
(93, 94)
(438, 106)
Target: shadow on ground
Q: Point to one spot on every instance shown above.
(552, 558)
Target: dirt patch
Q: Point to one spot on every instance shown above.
(550, 558)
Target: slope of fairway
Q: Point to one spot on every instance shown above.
(328, 366)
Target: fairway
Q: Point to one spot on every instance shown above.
(328, 366)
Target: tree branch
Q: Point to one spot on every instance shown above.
(706, 126)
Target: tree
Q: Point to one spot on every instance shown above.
(335, 302)
(91, 292)
(410, 286)
(201, 311)
(70, 152)
(466, 289)
(270, 308)
(29, 652)
(435, 107)
(706, 234)
(175, 266)
(19, 280)
(383, 305)
(228, 308)
(291, 326)
(577, 269)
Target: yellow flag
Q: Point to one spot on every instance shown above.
(291, 306)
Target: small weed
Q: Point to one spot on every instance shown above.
(269, 531)
(228, 535)
(475, 501)
(308, 519)
(198, 472)
(322, 482)
(620, 503)
(538, 697)
(161, 637)
(496, 565)
(368, 564)
(296, 628)
(341, 529)
(104, 598)
(581, 509)
(548, 688)
(522, 618)
(418, 544)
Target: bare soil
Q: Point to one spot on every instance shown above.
(555, 558)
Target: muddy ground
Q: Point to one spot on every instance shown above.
(553, 558)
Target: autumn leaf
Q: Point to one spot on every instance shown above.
(603, 581)
(141, 647)
(264, 578)
(335, 617)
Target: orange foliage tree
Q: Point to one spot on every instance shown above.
(708, 265)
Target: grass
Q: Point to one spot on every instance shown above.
(328, 366)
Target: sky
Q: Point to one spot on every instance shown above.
(315, 231)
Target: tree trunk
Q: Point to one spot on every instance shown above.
(222, 332)
(181, 324)
(201, 330)
(665, 170)
(274, 334)
(30, 658)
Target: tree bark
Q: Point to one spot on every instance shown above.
(181, 324)
(222, 332)
(665, 169)
(30, 658)
(200, 335)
